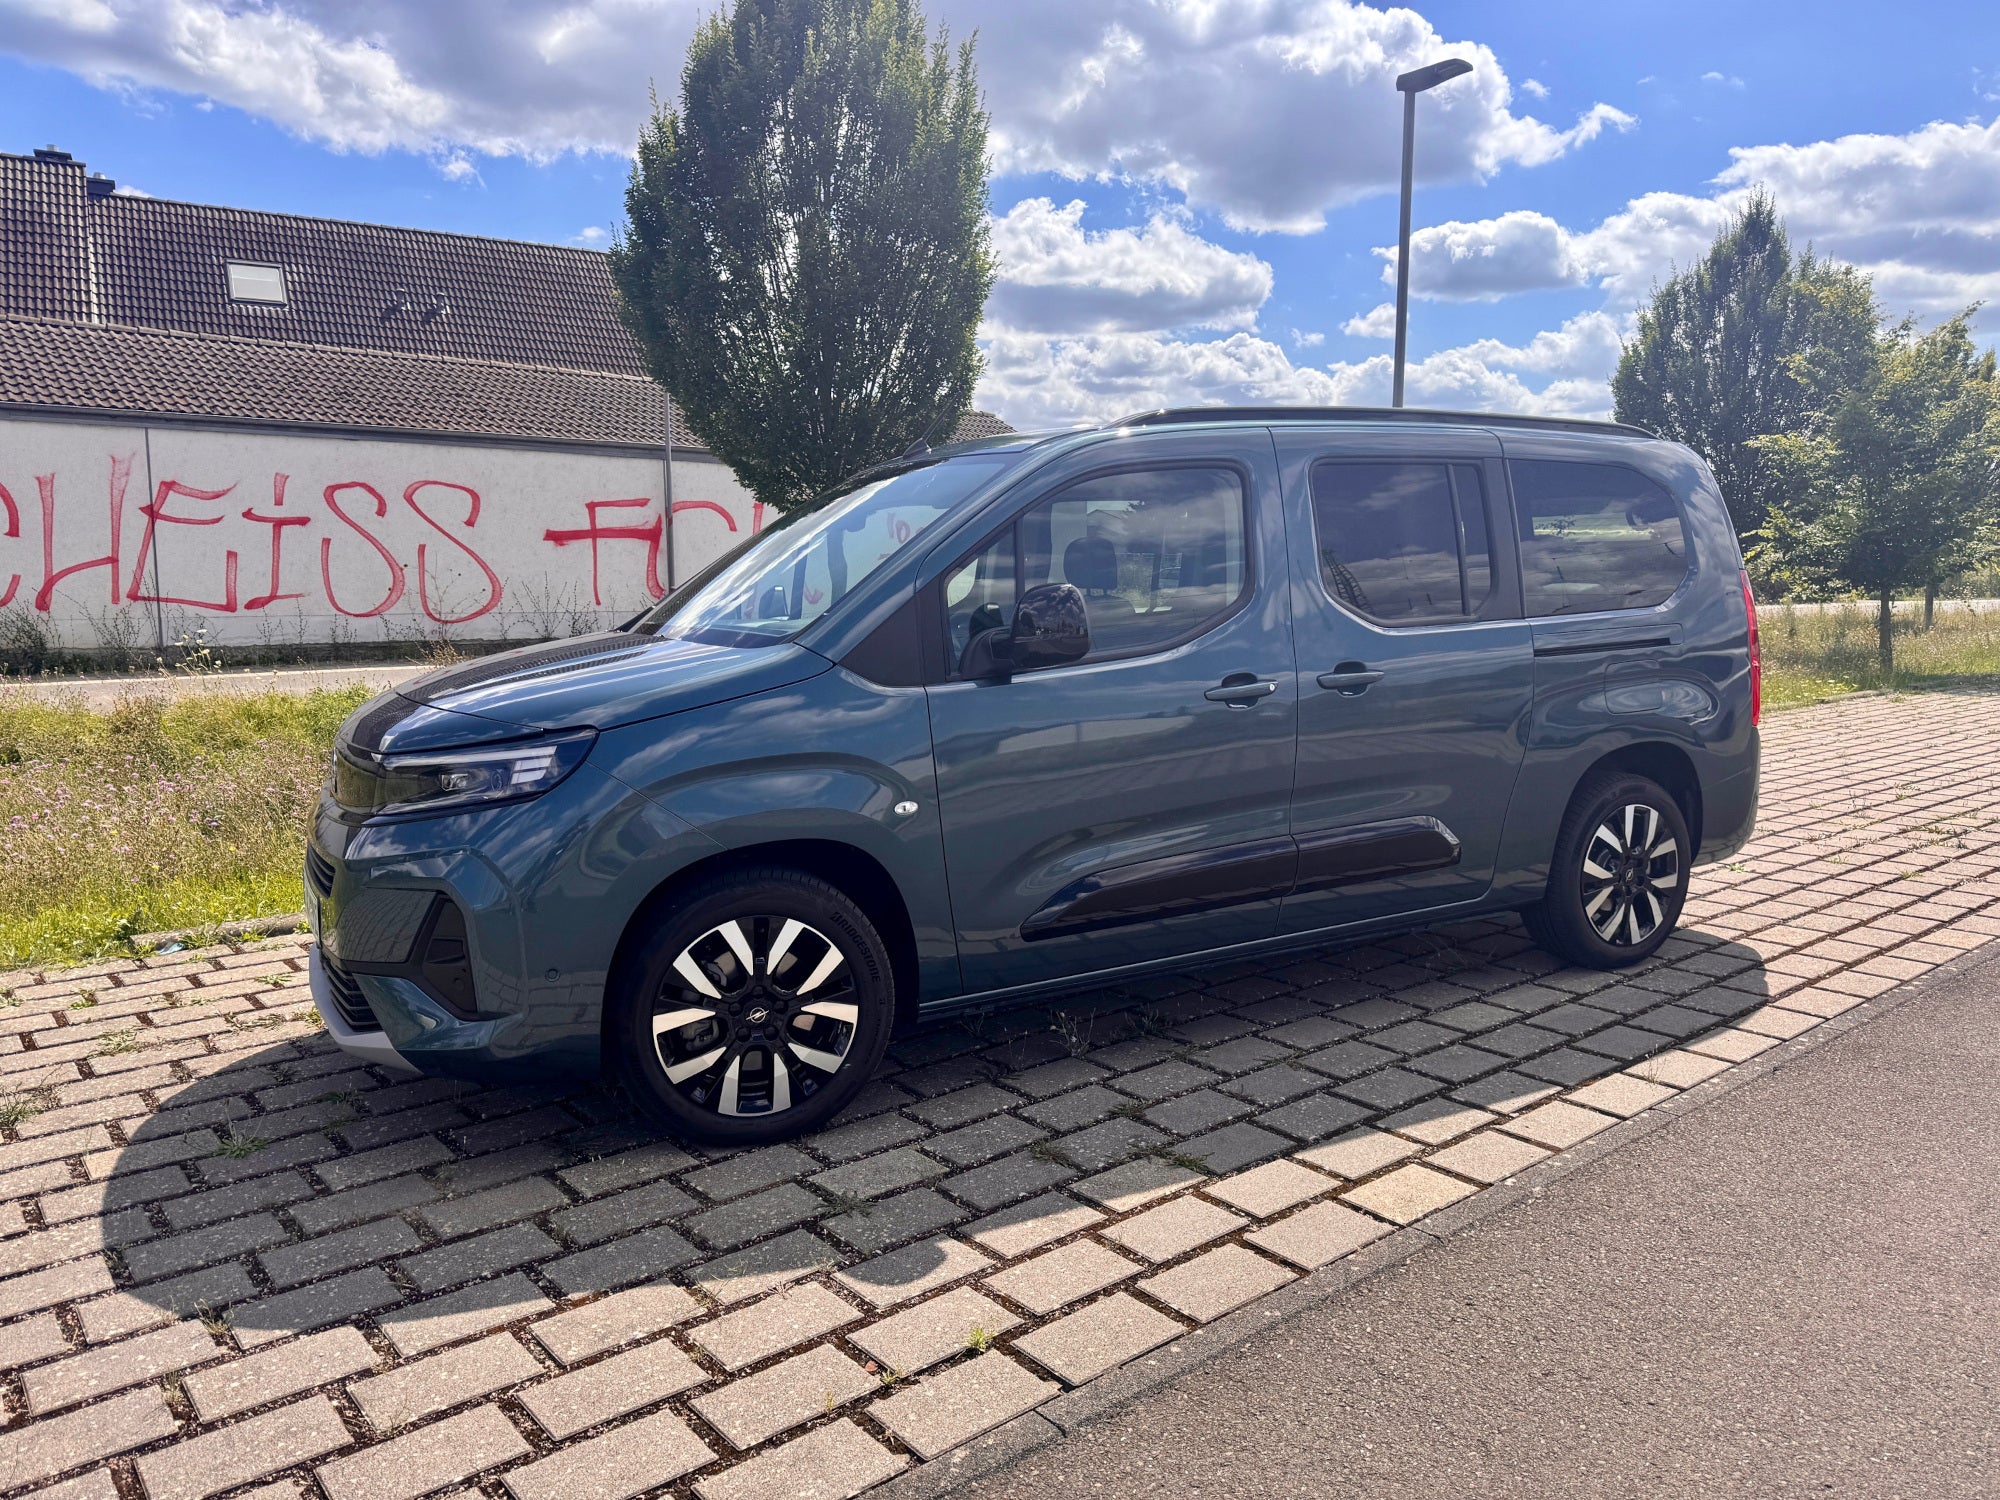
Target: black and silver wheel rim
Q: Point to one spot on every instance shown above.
(756, 1016)
(1631, 866)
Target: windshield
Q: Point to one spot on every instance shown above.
(793, 572)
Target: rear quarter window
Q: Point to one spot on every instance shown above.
(1595, 537)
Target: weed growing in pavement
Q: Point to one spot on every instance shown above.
(236, 1147)
(1148, 1022)
(84, 1000)
(1131, 1109)
(117, 1043)
(1183, 1160)
(310, 1018)
(217, 1320)
(1076, 1035)
(978, 1340)
(1049, 1151)
(849, 1203)
(17, 1105)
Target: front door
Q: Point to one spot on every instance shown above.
(1415, 669)
(1133, 805)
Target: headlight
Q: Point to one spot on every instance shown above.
(427, 782)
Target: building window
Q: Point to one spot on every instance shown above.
(248, 283)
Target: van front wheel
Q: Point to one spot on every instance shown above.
(1618, 878)
(756, 1009)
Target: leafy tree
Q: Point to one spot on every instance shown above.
(806, 255)
(1896, 488)
(1717, 357)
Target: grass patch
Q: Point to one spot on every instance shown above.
(1812, 655)
(158, 813)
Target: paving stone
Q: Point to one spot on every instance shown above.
(1204, 1109)
(1274, 1085)
(1436, 1121)
(1621, 1095)
(876, 1226)
(888, 1172)
(1233, 1147)
(795, 1390)
(1408, 1193)
(1172, 1229)
(427, 1459)
(1317, 1235)
(1627, 1043)
(1311, 1032)
(316, 1306)
(911, 1341)
(47, 1448)
(1084, 1344)
(611, 1321)
(82, 1377)
(740, 1339)
(1027, 1226)
(963, 1106)
(1139, 1052)
(185, 1252)
(427, 1386)
(1777, 1023)
(1062, 1276)
(765, 1267)
(462, 1314)
(221, 1460)
(1243, 1055)
(31, 1339)
(835, 1462)
(1315, 1117)
(1137, 1183)
(386, 1161)
(571, 1403)
(1557, 1125)
(752, 1218)
(1271, 1188)
(482, 1255)
(106, 1318)
(1504, 1093)
(625, 1461)
(1215, 1283)
(1490, 1156)
(1163, 1080)
(1073, 1111)
(96, 1484)
(259, 1379)
(1110, 1143)
(983, 1141)
(637, 1257)
(1346, 1060)
(357, 1205)
(197, 1210)
(912, 1271)
(509, 1203)
(1058, 1077)
(1007, 1180)
(750, 1172)
(960, 1403)
(64, 1283)
(1390, 1088)
(293, 1265)
(1567, 1066)
(460, 1178)
(1678, 1070)
(1521, 1040)
(89, 1200)
(851, 1142)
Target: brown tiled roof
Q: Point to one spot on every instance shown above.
(44, 243)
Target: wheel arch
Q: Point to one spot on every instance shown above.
(1666, 764)
(853, 872)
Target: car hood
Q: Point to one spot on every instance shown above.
(596, 681)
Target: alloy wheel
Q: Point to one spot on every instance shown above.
(756, 1016)
(1630, 860)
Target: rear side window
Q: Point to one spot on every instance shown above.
(1403, 542)
(1595, 537)
(1159, 554)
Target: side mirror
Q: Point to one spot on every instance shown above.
(1051, 628)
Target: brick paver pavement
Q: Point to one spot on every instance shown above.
(229, 1255)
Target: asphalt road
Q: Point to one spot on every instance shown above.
(1792, 1291)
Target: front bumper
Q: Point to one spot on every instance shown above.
(369, 1046)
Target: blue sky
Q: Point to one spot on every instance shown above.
(1234, 161)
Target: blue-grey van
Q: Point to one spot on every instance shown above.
(1039, 713)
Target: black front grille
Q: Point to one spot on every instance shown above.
(348, 999)
(319, 870)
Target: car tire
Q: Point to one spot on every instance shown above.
(1618, 877)
(757, 1006)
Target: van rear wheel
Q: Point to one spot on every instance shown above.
(1618, 878)
(757, 1008)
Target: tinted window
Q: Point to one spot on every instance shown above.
(1595, 536)
(1403, 542)
(1157, 554)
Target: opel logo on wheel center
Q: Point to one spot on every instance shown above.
(758, 1016)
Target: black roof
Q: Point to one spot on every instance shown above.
(1178, 415)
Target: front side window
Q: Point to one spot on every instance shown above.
(1158, 554)
(1595, 537)
(794, 571)
(1403, 542)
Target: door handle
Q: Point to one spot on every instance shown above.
(1240, 690)
(1350, 678)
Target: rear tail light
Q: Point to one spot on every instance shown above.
(1756, 654)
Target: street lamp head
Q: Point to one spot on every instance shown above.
(1437, 73)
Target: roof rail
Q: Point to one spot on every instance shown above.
(1176, 415)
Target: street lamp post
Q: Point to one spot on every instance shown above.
(1413, 84)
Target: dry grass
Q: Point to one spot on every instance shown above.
(162, 812)
(1811, 655)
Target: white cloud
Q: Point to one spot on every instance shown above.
(1729, 80)
(592, 235)
(1379, 322)
(1058, 277)
(458, 168)
(1301, 339)
(1270, 111)
(1534, 88)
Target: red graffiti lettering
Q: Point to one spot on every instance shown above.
(595, 533)
(727, 519)
(155, 511)
(13, 529)
(277, 524)
(121, 474)
(395, 590)
(493, 588)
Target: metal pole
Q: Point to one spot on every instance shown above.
(1403, 244)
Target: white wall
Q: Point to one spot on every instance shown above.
(168, 529)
